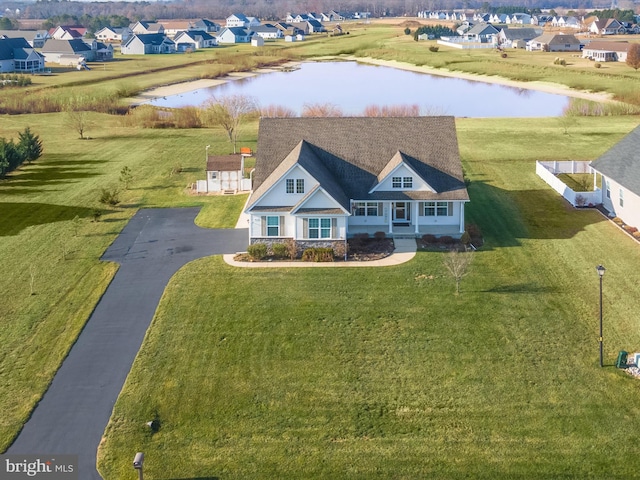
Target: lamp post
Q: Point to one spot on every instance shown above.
(600, 269)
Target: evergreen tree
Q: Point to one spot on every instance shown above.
(29, 145)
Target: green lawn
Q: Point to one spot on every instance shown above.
(50, 245)
(351, 373)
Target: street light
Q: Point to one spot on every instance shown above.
(600, 269)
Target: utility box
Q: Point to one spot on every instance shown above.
(622, 359)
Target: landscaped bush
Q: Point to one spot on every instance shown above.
(293, 250)
(359, 239)
(465, 238)
(379, 236)
(109, 196)
(340, 249)
(630, 229)
(318, 254)
(617, 220)
(433, 48)
(597, 65)
(447, 240)
(503, 54)
(279, 250)
(636, 235)
(257, 251)
(428, 238)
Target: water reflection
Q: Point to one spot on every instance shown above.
(354, 87)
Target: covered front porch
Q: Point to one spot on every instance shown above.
(404, 231)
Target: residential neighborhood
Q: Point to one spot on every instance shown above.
(271, 240)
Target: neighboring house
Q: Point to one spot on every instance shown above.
(67, 32)
(554, 42)
(172, 27)
(238, 20)
(287, 28)
(321, 180)
(143, 28)
(603, 51)
(315, 26)
(206, 25)
(194, 40)
(226, 174)
(114, 34)
(267, 31)
(519, 19)
(35, 38)
(234, 35)
(498, 18)
(620, 170)
(608, 26)
(482, 32)
(16, 55)
(302, 27)
(146, 44)
(68, 52)
(103, 51)
(566, 22)
(517, 37)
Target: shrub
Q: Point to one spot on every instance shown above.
(465, 239)
(617, 220)
(379, 236)
(636, 235)
(473, 230)
(630, 229)
(359, 240)
(503, 54)
(292, 249)
(433, 48)
(318, 254)
(279, 250)
(340, 249)
(447, 240)
(597, 65)
(109, 196)
(429, 238)
(257, 251)
(407, 31)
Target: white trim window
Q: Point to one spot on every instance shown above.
(294, 185)
(621, 197)
(366, 209)
(437, 209)
(317, 228)
(401, 182)
(272, 226)
(608, 188)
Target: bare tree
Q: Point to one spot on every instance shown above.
(633, 56)
(457, 263)
(391, 111)
(321, 110)
(78, 119)
(277, 111)
(229, 113)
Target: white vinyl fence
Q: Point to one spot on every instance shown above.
(548, 171)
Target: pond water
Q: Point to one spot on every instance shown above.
(353, 86)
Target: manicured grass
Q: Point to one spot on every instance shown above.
(351, 373)
(50, 245)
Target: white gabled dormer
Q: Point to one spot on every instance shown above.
(289, 189)
(398, 175)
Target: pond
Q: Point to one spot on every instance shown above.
(353, 87)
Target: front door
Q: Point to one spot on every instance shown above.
(401, 212)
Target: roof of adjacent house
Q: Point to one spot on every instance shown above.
(621, 162)
(194, 35)
(149, 38)
(28, 35)
(10, 46)
(224, 163)
(521, 33)
(607, 46)
(551, 38)
(74, 46)
(348, 154)
(482, 29)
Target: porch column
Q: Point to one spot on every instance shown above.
(414, 213)
(461, 217)
(390, 217)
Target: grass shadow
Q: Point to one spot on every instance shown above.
(24, 215)
(521, 288)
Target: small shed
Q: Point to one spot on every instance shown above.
(225, 174)
(257, 41)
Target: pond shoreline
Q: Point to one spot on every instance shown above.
(192, 85)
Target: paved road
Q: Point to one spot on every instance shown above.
(74, 412)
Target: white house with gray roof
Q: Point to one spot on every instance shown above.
(326, 179)
(620, 170)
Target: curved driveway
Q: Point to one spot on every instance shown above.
(72, 415)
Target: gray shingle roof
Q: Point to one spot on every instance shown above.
(621, 162)
(346, 155)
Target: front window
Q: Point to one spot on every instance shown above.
(319, 228)
(396, 182)
(442, 209)
(429, 209)
(300, 185)
(273, 226)
(289, 185)
(294, 185)
(438, 209)
(407, 182)
(366, 209)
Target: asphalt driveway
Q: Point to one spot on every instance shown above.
(72, 415)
